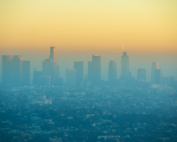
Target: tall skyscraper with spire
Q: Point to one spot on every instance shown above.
(125, 74)
(52, 54)
(112, 72)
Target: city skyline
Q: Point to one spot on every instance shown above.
(79, 29)
(50, 73)
(65, 60)
(88, 70)
(143, 63)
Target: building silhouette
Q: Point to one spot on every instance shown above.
(36, 75)
(141, 74)
(15, 71)
(79, 67)
(154, 66)
(47, 67)
(7, 74)
(158, 76)
(53, 54)
(112, 73)
(44, 81)
(50, 67)
(94, 70)
(71, 78)
(125, 74)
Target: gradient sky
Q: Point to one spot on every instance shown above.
(83, 25)
(147, 28)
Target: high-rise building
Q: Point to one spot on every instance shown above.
(154, 66)
(158, 76)
(13, 68)
(90, 71)
(56, 70)
(26, 73)
(47, 67)
(79, 67)
(36, 75)
(112, 72)
(53, 54)
(141, 74)
(17, 70)
(94, 70)
(7, 76)
(125, 74)
(44, 81)
(50, 68)
(58, 81)
(71, 78)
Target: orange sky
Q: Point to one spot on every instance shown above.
(89, 25)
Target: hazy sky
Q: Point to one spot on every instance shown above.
(147, 28)
(84, 25)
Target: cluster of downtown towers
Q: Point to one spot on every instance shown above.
(16, 72)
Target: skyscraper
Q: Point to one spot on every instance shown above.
(79, 72)
(53, 54)
(7, 76)
(44, 81)
(94, 70)
(50, 67)
(90, 71)
(13, 68)
(141, 74)
(17, 70)
(47, 67)
(154, 66)
(71, 78)
(56, 70)
(112, 72)
(36, 75)
(125, 74)
(158, 76)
